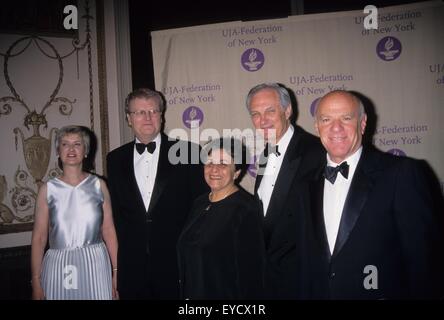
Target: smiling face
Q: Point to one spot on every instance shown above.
(340, 125)
(267, 114)
(219, 171)
(146, 126)
(71, 150)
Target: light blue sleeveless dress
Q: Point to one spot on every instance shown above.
(77, 264)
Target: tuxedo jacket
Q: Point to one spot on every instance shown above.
(283, 218)
(147, 261)
(389, 243)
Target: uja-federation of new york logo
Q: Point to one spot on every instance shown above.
(192, 117)
(397, 152)
(313, 106)
(252, 59)
(388, 48)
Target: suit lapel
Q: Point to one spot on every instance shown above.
(355, 201)
(281, 189)
(128, 171)
(288, 171)
(163, 170)
(317, 213)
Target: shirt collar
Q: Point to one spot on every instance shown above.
(285, 140)
(351, 160)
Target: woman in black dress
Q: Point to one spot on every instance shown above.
(220, 250)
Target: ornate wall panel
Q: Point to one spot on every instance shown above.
(48, 80)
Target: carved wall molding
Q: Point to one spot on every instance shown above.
(36, 149)
(101, 67)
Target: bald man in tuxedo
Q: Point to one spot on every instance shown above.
(376, 231)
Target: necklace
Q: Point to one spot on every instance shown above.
(210, 196)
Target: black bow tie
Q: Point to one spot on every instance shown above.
(330, 173)
(269, 149)
(140, 147)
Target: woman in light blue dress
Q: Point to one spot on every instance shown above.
(74, 212)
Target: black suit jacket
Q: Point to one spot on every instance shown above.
(147, 263)
(283, 219)
(388, 223)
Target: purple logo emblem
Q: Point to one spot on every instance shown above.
(397, 152)
(389, 48)
(252, 170)
(192, 117)
(252, 59)
(313, 106)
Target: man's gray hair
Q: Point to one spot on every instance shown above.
(284, 96)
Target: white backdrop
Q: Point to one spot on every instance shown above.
(206, 71)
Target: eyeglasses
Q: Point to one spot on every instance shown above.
(144, 113)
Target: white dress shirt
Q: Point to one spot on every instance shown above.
(145, 170)
(335, 195)
(272, 169)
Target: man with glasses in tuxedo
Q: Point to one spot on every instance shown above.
(151, 198)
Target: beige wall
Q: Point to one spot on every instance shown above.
(34, 76)
(211, 68)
